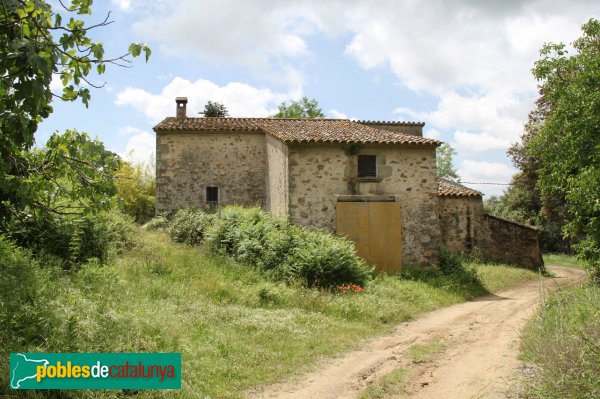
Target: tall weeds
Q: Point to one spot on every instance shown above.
(563, 343)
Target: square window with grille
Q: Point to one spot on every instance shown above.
(212, 194)
(367, 166)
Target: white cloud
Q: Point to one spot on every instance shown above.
(251, 33)
(432, 133)
(334, 113)
(240, 99)
(485, 172)
(124, 5)
(140, 148)
(464, 141)
(129, 130)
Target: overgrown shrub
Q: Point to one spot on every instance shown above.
(76, 238)
(273, 245)
(189, 226)
(326, 261)
(160, 222)
(18, 295)
(563, 342)
(136, 190)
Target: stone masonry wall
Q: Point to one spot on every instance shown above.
(186, 163)
(318, 174)
(508, 242)
(277, 176)
(460, 222)
(466, 229)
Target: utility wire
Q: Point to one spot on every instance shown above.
(493, 184)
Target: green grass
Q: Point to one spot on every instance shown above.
(421, 353)
(562, 260)
(235, 328)
(496, 277)
(563, 342)
(390, 385)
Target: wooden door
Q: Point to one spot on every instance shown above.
(375, 229)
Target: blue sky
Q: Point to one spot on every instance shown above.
(462, 67)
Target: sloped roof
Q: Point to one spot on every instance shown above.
(296, 130)
(448, 188)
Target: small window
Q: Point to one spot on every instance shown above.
(367, 166)
(212, 194)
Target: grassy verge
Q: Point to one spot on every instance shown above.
(563, 343)
(235, 328)
(562, 260)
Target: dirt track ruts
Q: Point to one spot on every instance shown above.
(479, 361)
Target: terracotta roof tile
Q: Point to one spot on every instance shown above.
(448, 188)
(296, 130)
(392, 123)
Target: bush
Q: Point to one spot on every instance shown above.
(136, 190)
(18, 295)
(160, 222)
(323, 260)
(76, 238)
(450, 262)
(189, 226)
(273, 245)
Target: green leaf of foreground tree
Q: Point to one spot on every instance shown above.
(567, 144)
(39, 44)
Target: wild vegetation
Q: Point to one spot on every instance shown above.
(236, 326)
(273, 245)
(562, 344)
(558, 188)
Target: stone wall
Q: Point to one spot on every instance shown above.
(277, 176)
(318, 174)
(460, 222)
(508, 242)
(186, 163)
(466, 229)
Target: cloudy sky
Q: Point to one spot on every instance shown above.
(463, 67)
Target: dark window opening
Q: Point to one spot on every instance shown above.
(367, 166)
(212, 194)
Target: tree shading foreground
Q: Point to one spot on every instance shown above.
(303, 109)
(40, 44)
(567, 144)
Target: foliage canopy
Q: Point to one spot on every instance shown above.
(215, 110)
(302, 109)
(567, 145)
(40, 44)
(445, 162)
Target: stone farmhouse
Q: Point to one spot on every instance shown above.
(374, 182)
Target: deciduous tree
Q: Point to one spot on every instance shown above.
(215, 110)
(445, 162)
(304, 108)
(39, 44)
(568, 142)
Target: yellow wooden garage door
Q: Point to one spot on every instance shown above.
(375, 229)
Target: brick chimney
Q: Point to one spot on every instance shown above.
(181, 106)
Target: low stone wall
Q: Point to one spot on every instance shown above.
(467, 230)
(509, 242)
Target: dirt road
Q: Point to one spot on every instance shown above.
(477, 359)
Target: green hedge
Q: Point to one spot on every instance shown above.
(273, 245)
